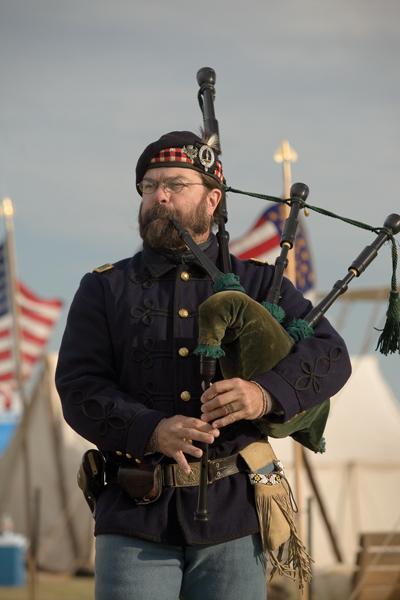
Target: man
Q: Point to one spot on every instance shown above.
(129, 382)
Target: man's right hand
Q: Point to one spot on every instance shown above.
(174, 437)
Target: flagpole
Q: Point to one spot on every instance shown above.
(8, 213)
(286, 155)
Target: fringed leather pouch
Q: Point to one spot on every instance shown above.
(275, 510)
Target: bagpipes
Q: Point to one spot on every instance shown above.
(229, 314)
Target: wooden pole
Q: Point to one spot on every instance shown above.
(309, 543)
(285, 155)
(324, 513)
(8, 213)
(34, 545)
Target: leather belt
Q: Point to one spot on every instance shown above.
(171, 475)
(174, 476)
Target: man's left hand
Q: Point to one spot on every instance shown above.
(230, 400)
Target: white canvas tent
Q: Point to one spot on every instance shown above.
(65, 521)
(358, 476)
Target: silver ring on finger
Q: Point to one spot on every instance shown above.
(229, 408)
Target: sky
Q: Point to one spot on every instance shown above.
(86, 85)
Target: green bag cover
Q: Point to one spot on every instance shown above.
(248, 341)
(307, 427)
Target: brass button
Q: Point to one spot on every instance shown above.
(118, 452)
(183, 312)
(128, 455)
(138, 461)
(183, 351)
(185, 396)
(185, 276)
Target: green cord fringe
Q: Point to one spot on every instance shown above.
(227, 281)
(275, 310)
(209, 351)
(299, 330)
(389, 340)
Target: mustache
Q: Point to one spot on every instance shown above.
(160, 212)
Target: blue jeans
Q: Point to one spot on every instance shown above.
(128, 568)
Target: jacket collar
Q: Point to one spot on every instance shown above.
(159, 263)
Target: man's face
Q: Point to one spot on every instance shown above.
(192, 206)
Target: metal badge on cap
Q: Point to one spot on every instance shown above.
(206, 156)
(190, 151)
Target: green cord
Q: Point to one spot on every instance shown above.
(322, 211)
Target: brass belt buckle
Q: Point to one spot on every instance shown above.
(182, 479)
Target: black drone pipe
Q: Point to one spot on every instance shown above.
(391, 227)
(298, 196)
(206, 79)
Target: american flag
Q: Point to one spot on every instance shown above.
(262, 243)
(37, 318)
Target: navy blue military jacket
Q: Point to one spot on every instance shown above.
(126, 362)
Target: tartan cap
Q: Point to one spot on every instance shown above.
(180, 149)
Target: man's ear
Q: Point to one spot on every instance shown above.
(213, 199)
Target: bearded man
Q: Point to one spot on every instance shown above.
(129, 382)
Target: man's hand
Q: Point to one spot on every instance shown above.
(230, 400)
(174, 437)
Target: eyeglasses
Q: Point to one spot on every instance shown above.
(170, 185)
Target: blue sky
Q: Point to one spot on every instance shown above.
(86, 85)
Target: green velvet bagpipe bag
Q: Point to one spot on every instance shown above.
(249, 341)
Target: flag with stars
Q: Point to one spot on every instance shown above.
(37, 317)
(262, 242)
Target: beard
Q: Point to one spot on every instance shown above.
(158, 232)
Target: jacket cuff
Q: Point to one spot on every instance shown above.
(282, 392)
(141, 430)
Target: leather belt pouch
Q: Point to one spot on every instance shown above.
(143, 484)
(91, 476)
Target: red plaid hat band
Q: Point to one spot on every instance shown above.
(177, 155)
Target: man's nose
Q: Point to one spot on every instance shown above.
(161, 195)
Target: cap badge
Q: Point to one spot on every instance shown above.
(190, 151)
(206, 156)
